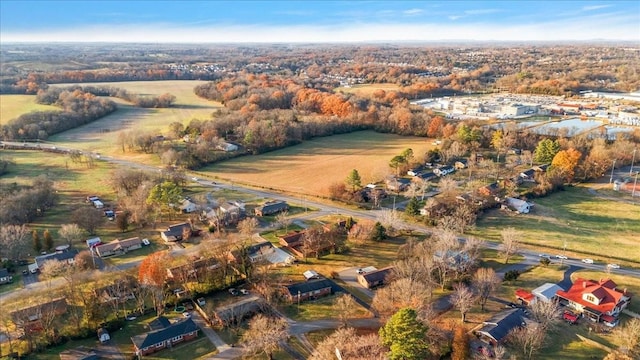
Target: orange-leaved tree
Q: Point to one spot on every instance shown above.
(566, 161)
(152, 273)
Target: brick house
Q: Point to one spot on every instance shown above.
(308, 290)
(164, 334)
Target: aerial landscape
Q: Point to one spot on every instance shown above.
(351, 180)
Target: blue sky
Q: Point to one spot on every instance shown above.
(317, 21)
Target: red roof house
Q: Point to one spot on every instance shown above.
(599, 300)
(524, 296)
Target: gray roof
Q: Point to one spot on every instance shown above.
(377, 276)
(4, 272)
(499, 326)
(60, 256)
(309, 286)
(151, 338)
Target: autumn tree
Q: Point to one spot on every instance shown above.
(37, 243)
(460, 345)
(435, 127)
(152, 273)
(405, 336)
(566, 161)
(47, 240)
(264, 334)
(485, 282)
(354, 180)
(463, 299)
(510, 243)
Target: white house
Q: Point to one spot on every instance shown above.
(228, 147)
(98, 204)
(518, 205)
(444, 170)
(187, 206)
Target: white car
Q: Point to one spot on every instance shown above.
(146, 241)
(587, 261)
(545, 256)
(613, 266)
(561, 257)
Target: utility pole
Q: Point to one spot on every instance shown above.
(635, 183)
(612, 168)
(632, 161)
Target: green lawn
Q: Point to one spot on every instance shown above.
(585, 223)
(317, 310)
(490, 258)
(16, 105)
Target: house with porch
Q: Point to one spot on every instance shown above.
(271, 208)
(118, 247)
(67, 257)
(5, 278)
(312, 289)
(164, 335)
(374, 278)
(176, 232)
(596, 300)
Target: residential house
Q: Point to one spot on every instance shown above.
(444, 170)
(495, 330)
(239, 310)
(541, 168)
(292, 239)
(193, 269)
(5, 278)
(121, 290)
(396, 184)
(528, 175)
(187, 206)
(426, 176)
(28, 318)
(546, 292)
(176, 232)
(67, 257)
(262, 252)
(415, 171)
(597, 300)
(521, 206)
(461, 164)
(492, 189)
(271, 208)
(228, 147)
(93, 242)
(166, 337)
(118, 247)
(311, 275)
(374, 278)
(309, 290)
(79, 353)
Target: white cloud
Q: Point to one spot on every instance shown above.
(615, 26)
(481, 11)
(413, 12)
(595, 7)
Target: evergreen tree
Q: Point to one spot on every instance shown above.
(405, 336)
(546, 151)
(37, 244)
(354, 180)
(413, 207)
(379, 232)
(48, 240)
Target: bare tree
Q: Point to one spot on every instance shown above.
(463, 299)
(264, 334)
(629, 337)
(528, 339)
(361, 232)
(71, 233)
(344, 307)
(390, 219)
(399, 294)
(448, 187)
(546, 314)
(485, 283)
(510, 243)
(14, 241)
(247, 227)
(350, 345)
(283, 221)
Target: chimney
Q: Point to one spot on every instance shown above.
(584, 284)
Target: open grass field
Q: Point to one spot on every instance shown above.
(311, 167)
(319, 309)
(101, 135)
(13, 106)
(366, 90)
(604, 230)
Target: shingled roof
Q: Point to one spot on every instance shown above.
(154, 337)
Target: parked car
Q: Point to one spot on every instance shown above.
(545, 256)
(587, 261)
(201, 301)
(563, 257)
(244, 291)
(360, 271)
(233, 291)
(613, 266)
(186, 314)
(146, 241)
(130, 317)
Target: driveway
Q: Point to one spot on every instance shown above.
(109, 351)
(566, 282)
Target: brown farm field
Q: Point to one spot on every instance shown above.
(366, 89)
(101, 135)
(311, 167)
(12, 106)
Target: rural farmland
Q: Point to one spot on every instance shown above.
(16, 105)
(311, 167)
